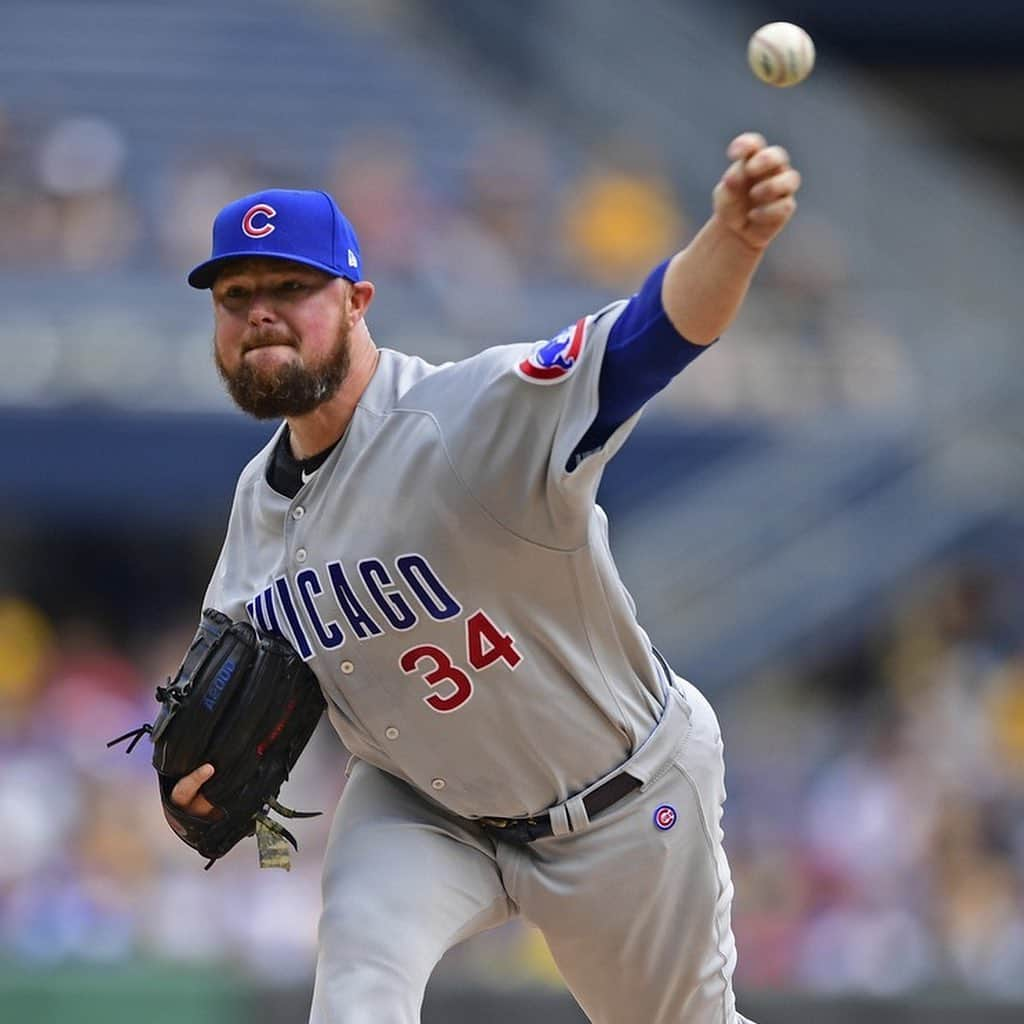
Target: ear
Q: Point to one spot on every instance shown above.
(360, 296)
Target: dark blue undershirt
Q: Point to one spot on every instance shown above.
(644, 352)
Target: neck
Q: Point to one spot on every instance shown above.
(319, 429)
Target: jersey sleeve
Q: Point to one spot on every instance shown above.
(643, 353)
(216, 595)
(512, 418)
(223, 591)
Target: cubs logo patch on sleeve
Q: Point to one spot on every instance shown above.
(552, 361)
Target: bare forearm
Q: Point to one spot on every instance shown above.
(706, 282)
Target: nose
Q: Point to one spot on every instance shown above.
(261, 310)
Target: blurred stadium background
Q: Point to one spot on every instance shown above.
(820, 521)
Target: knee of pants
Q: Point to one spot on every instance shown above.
(370, 948)
(366, 974)
(363, 993)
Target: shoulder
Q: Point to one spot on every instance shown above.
(396, 375)
(460, 383)
(517, 367)
(552, 360)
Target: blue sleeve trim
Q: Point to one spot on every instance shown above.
(644, 352)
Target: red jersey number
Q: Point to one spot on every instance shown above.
(443, 671)
(485, 645)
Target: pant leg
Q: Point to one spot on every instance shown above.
(638, 919)
(402, 883)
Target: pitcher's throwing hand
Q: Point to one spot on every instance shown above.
(756, 197)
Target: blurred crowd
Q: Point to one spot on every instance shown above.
(72, 201)
(875, 818)
(62, 196)
(874, 821)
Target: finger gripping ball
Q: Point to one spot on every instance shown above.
(781, 53)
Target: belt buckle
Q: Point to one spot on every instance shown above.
(513, 830)
(520, 831)
(493, 822)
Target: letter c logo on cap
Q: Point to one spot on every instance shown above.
(248, 221)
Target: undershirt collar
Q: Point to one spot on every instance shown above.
(284, 471)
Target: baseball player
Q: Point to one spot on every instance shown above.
(427, 539)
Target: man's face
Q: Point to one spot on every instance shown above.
(281, 338)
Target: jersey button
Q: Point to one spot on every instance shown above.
(298, 512)
(300, 555)
(347, 667)
(438, 783)
(391, 732)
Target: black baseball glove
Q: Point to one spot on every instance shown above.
(247, 705)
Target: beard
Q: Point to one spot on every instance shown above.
(290, 390)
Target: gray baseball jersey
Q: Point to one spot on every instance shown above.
(447, 575)
(448, 579)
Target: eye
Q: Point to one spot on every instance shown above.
(293, 285)
(233, 293)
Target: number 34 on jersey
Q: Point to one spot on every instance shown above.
(485, 646)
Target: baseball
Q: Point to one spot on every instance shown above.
(781, 53)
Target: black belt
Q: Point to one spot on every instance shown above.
(526, 830)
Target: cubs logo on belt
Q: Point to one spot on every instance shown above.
(256, 222)
(552, 361)
(665, 817)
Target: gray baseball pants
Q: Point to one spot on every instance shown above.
(637, 919)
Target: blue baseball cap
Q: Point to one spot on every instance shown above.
(287, 224)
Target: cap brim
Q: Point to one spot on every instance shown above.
(206, 273)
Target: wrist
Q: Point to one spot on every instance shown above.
(726, 234)
(704, 284)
